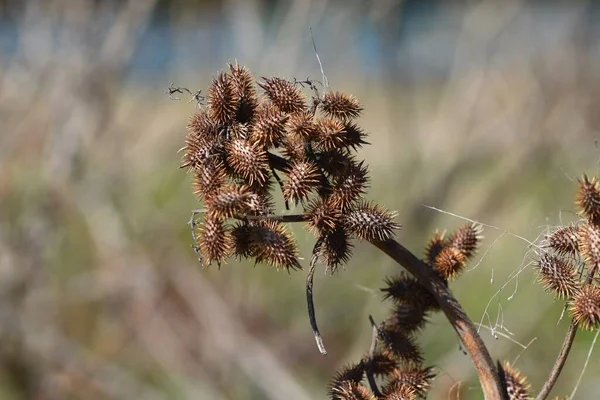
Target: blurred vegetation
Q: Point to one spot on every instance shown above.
(488, 110)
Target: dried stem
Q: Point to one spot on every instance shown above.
(484, 365)
(370, 376)
(309, 299)
(561, 359)
(464, 327)
(559, 363)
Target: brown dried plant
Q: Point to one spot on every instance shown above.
(237, 142)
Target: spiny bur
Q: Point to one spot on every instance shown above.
(585, 307)
(515, 383)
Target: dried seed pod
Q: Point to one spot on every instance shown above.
(349, 187)
(588, 199)
(230, 201)
(557, 275)
(564, 241)
(355, 136)
(405, 289)
(244, 92)
(202, 126)
(222, 105)
(340, 105)
(284, 94)
(351, 391)
(589, 246)
(406, 318)
(466, 238)
(269, 126)
(449, 262)
(208, 179)
(399, 391)
(515, 383)
(214, 240)
(382, 364)
(241, 245)
(200, 144)
(294, 148)
(585, 307)
(349, 373)
(370, 222)
(303, 178)
(302, 125)
(322, 216)
(401, 345)
(435, 245)
(272, 243)
(331, 134)
(415, 377)
(249, 160)
(335, 162)
(336, 249)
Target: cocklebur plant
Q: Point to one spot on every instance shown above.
(238, 142)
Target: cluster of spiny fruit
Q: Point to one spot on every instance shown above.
(238, 140)
(396, 358)
(570, 268)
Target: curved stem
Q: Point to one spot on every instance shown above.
(559, 363)
(370, 375)
(488, 375)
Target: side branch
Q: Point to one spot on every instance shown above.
(488, 376)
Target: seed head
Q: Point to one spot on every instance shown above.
(284, 94)
(407, 318)
(435, 245)
(414, 376)
(214, 240)
(382, 364)
(585, 307)
(336, 249)
(589, 246)
(340, 105)
(399, 391)
(222, 105)
(208, 179)
(269, 126)
(301, 124)
(331, 134)
(401, 345)
(272, 243)
(303, 178)
(349, 187)
(588, 199)
(404, 289)
(466, 238)
(564, 241)
(244, 92)
(230, 201)
(323, 217)
(515, 383)
(351, 391)
(449, 262)
(557, 275)
(370, 222)
(249, 160)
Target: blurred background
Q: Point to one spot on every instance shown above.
(489, 110)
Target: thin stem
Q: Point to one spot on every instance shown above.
(464, 327)
(561, 359)
(309, 299)
(370, 376)
(559, 363)
(280, 183)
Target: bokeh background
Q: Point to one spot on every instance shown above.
(488, 110)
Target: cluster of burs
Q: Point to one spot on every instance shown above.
(238, 141)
